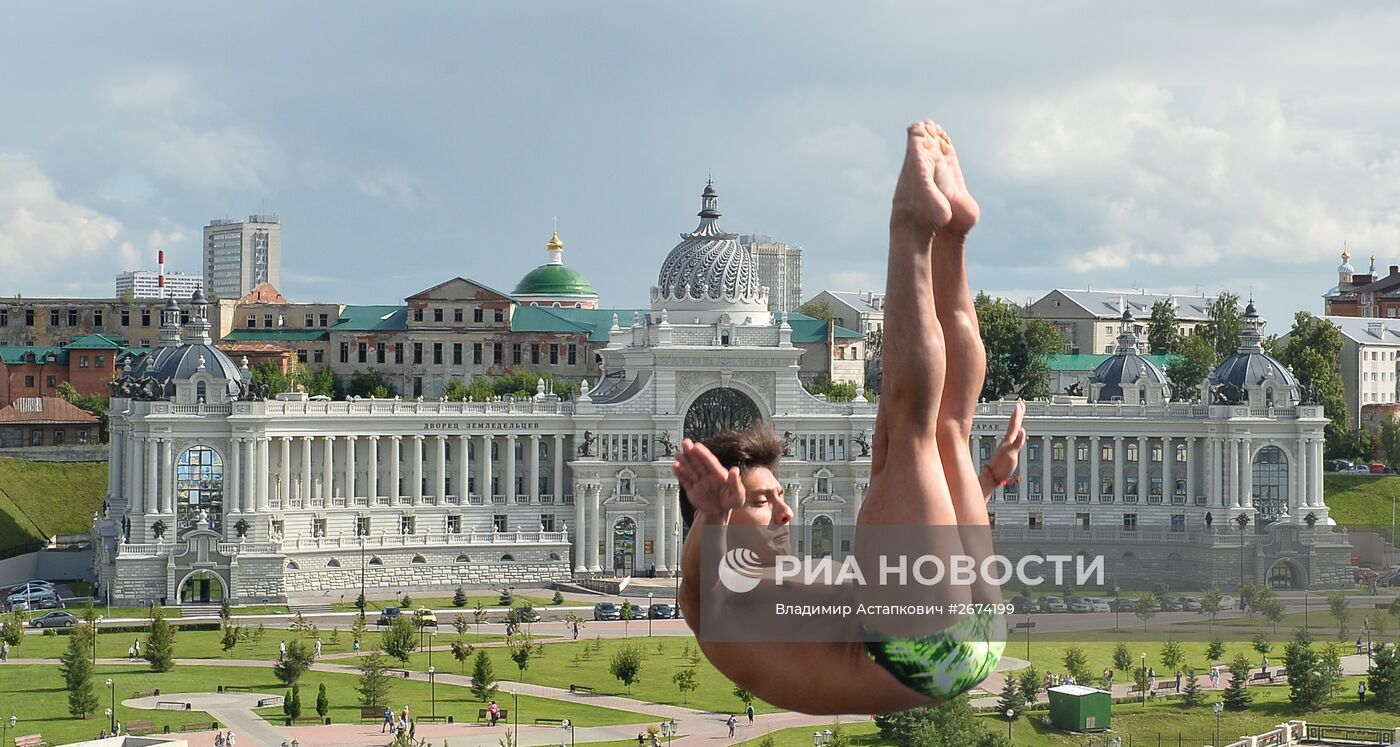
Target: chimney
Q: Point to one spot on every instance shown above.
(1395, 269)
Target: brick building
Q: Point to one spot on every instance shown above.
(89, 362)
(46, 421)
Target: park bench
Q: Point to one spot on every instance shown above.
(482, 714)
(549, 721)
(304, 720)
(138, 728)
(271, 700)
(33, 740)
(397, 673)
(1168, 685)
(580, 688)
(237, 689)
(1260, 677)
(371, 713)
(201, 726)
(172, 705)
(145, 693)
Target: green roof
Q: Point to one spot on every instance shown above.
(371, 318)
(807, 329)
(96, 342)
(276, 335)
(593, 322)
(1089, 362)
(15, 353)
(554, 280)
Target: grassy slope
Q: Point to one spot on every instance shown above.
(1360, 500)
(41, 499)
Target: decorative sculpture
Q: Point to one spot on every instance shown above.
(864, 444)
(665, 440)
(586, 448)
(158, 529)
(788, 438)
(241, 528)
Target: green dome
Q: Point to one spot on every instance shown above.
(554, 280)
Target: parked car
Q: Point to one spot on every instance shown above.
(1025, 605)
(525, 614)
(1359, 469)
(388, 615)
(35, 600)
(1377, 468)
(1123, 604)
(1228, 602)
(57, 619)
(1054, 604)
(30, 586)
(1363, 575)
(1098, 605)
(1336, 465)
(1189, 604)
(1168, 604)
(606, 611)
(1080, 605)
(424, 618)
(659, 611)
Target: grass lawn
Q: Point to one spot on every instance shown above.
(862, 734)
(1360, 501)
(207, 644)
(41, 499)
(1048, 655)
(556, 668)
(445, 603)
(1318, 617)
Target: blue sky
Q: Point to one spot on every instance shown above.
(1111, 145)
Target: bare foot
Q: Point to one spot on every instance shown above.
(949, 178)
(919, 204)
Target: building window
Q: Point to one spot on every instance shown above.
(500, 315)
(418, 314)
(547, 522)
(553, 354)
(437, 354)
(1081, 520)
(59, 438)
(476, 316)
(1035, 521)
(1057, 451)
(476, 353)
(325, 320)
(82, 361)
(267, 321)
(823, 486)
(379, 352)
(101, 361)
(29, 317)
(437, 315)
(362, 352)
(1130, 522)
(52, 381)
(496, 352)
(454, 524)
(318, 356)
(1106, 452)
(53, 317)
(252, 322)
(1033, 451)
(1130, 452)
(97, 317)
(1180, 452)
(398, 352)
(535, 354)
(573, 355)
(1156, 452)
(456, 353)
(1178, 522)
(4, 317)
(1132, 486)
(36, 438)
(344, 352)
(1081, 452)
(417, 353)
(498, 522)
(145, 317)
(310, 320)
(72, 317)
(457, 315)
(1034, 487)
(1106, 486)
(515, 354)
(318, 527)
(406, 524)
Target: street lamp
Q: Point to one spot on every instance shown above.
(113, 710)
(570, 726)
(1010, 714)
(1218, 707)
(5, 727)
(668, 728)
(431, 636)
(112, 720)
(1366, 626)
(432, 688)
(515, 716)
(649, 615)
(94, 638)
(1243, 521)
(826, 737)
(676, 566)
(1147, 680)
(362, 578)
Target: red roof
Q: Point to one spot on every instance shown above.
(264, 293)
(44, 410)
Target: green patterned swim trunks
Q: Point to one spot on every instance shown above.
(948, 663)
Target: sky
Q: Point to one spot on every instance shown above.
(1172, 147)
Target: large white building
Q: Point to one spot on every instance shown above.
(215, 492)
(147, 284)
(241, 255)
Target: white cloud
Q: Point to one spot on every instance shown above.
(391, 184)
(44, 237)
(154, 88)
(220, 158)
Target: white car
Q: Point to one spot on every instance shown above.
(1227, 602)
(1080, 605)
(1099, 605)
(31, 586)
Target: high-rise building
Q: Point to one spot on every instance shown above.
(241, 255)
(146, 284)
(779, 267)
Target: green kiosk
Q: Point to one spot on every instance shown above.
(1079, 708)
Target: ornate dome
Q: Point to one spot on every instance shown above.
(1250, 367)
(177, 359)
(709, 264)
(1126, 366)
(1345, 268)
(553, 278)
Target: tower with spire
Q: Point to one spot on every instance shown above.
(554, 283)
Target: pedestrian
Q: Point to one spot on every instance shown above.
(576, 630)
(1264, 665)
(4, 651)
(732, 722)
(748, 710)
(641, 739)
(281, 650)
(388, 720)
(655, 740)
(318, 648)
(218, 739)
(356, 646)
(494, 712)
(1361, 691)
(102, 734)
(412, 727)
(1178, 680)
(137, 646)
(228, 739)
(1358, 646)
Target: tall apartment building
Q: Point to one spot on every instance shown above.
(779, 267)
(241, 255)
(146, 284)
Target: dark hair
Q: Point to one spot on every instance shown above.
(758, 446)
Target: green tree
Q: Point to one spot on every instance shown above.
(1383, 677)
(1077, 664)
(951, 723)
(1212, 603)
(483, 678)
(1313, 353)
(461, 651)
(323, 702)
(1388, 441)
(1011, 698)
(558, 597)
(479, 616)
(291, 705)
(1194, 361)
(743, 694)
(459, 597)
(1122, 658)
(1248, 592)
(1272, 609)
(521, 647)
(321, 383)
(1030, 682)
(1223, 324)
(817, 309)
(399, 640)
(686, 682)
(160, 642)
(1017, 349)
(291, 667)
(1172, 656)
(272, 380)
(230, 635)
(1339, 606)
(93, 403)
(1192, 695)
(835, 391)
(12, 629)
(1237, 696)
(460, 624)
(357, 629)
(1306, 688)
(1331, 670)
(626, 665)
(1163, 337)
(76, 668)
(1146, 607)
(370, 384)
(455, 390)
(1215, 650)
(1261, 644)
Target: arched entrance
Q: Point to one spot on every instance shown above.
(1270, 483)
(718, 410)
(1287, 574)
(823, 537)
(202, 587)
(624, 546)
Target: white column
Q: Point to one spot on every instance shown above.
(395, 458)
(1143, 457)
(327, 468)
(1118, 456)
(440, 470)
(557, 485)
(595, 520)
(581, 530)
(308, 471)
(1215, 473)
(484, 456)
(1300, 500)
(372, 474)
(1022, 465)
(132, 467)
(416, 473)
(114, 457)
(264, 476)
(510, 469)
(658, 543)
(149, 488)
(234, 477)
(1316, 474)
(533, 484)
(1191, 470)
(349, 470)
(284, 471)
(1045, 476)
(167, 471)
(463, 467)
(1071, 469)
(1168, 456)
(1247, 473)
(1094, 469)
(1233, 474)
(250, 475)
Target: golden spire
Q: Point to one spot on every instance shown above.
(1346, 255)
(554, 243)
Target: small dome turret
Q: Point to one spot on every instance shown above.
(1251, 376)
(1127, 371)
(710, 271)
(555, 283)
